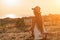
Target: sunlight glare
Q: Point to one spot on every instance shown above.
(11, 16)
(11, 2)
(58, 2)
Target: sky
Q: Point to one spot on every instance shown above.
(23, 8)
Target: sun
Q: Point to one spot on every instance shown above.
(10, 3)
(10, 16)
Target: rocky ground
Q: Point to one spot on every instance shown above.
(16, 36)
